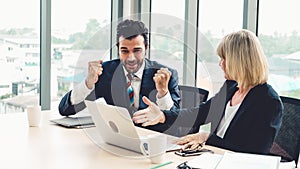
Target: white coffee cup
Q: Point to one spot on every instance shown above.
(154, 147)
(34, 115)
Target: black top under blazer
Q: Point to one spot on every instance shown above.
(112, 86)
(254, 126)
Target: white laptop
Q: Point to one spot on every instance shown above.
(116, 127)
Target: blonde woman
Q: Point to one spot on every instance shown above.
(245, 114)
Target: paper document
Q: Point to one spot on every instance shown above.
(206, 161)
(231, 160)
(248, 161)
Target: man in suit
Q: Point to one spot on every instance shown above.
(110, 79)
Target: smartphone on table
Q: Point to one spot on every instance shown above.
(187, 153)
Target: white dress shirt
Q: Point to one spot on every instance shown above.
(81, 91)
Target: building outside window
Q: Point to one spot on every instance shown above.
(19, 55)
(279, 33)
(79, 34)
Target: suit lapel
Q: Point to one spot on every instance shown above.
(245, 105)
(147, 84)
(218, 105)
(119, 88)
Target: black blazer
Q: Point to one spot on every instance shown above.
(252, 129)
(112, 87)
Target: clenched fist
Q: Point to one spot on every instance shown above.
(161, 79)
(94, 71)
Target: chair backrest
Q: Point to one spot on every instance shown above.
(191, 96)
(287, 141)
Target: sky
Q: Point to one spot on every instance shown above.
(279, 15)
(69, 16)
(19, 13)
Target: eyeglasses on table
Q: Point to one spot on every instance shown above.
(184, 165)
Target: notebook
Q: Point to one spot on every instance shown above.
(75, 122)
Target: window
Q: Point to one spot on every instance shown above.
(80, 33)
(215, 21)
(167, 33)
(19, 51)
(279, 34)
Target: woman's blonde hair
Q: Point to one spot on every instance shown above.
(245, 60)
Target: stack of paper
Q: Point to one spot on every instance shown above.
(232, 160)
(205, 161)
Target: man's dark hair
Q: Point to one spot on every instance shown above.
(130, 29)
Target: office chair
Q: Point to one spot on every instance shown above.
(190, 97)
(287, 141)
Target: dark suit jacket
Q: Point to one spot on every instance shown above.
(113, 87)
(252, 129)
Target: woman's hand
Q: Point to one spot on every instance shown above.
(193, 141)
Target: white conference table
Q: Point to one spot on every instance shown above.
(53, 147)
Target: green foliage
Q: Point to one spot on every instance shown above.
(94, 37)
(168, 42)
(58, 40)
(292, 93)
(280, 44)
(5, 96)
(168, 39)
(18, 31)
(206, 49)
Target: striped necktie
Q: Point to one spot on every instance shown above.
(130, 90)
